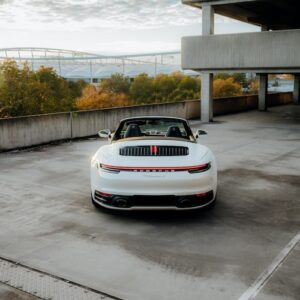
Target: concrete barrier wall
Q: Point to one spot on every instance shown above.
(35, 130)
(87, 123)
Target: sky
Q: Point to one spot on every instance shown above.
(104, 26)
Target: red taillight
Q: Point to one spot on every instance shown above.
(109, 168)
(200, 168)
(202, 195)
(101, 194)
(190, 169)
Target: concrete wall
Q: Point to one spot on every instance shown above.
(87, 123)
(35, 130)
(273, 51)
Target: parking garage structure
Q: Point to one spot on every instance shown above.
(274, 50)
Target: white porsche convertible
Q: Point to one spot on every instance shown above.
(153, 163)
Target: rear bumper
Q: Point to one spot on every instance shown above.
(153, 183)
(140, 202)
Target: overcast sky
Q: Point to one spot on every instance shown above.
(103, 26)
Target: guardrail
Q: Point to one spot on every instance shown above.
(35, 130)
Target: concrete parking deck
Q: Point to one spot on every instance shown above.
(48, 222)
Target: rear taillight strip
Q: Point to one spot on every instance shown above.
(191, 169)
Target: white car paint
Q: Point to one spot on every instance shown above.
(153, 182)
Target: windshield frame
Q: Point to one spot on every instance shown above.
(190, 136)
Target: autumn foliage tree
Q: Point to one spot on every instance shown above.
(24, 91)
(94, 98)
(226, 88)
(239, 78)
(254, 86)
(27, 92)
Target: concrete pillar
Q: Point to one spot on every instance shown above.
(206, 97)
(208, 20)
(263, 85)
(263, 92)
(296, 93)
(208, 24)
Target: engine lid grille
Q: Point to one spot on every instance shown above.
(154, 151)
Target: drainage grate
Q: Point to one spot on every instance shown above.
(45, 286)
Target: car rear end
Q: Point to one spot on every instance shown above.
(156, 174)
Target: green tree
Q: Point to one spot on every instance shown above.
(142, 89)
(117, 83)
(76, 88)
(164, 85)
(190, 83)
(56, 91)
(26, 92)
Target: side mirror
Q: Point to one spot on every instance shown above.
(200, 132)
(105, 133)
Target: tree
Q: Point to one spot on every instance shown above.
(237, 77)
(76, 88)
(223, 76)
(93, 98)
(164, 85)
(187, 88)
(26, 92)
(241, 79)
(190, 84)
(117, 83)
(226, 88)
(142, 89)
(254, 86)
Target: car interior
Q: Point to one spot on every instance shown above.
(133, 130)
(169, 128)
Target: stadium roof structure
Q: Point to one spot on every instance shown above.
(94, 67)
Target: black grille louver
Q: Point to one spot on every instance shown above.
(154, 151)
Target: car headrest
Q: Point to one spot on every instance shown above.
(174, 131)
(133, 130)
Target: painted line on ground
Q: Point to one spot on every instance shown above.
(265, 276)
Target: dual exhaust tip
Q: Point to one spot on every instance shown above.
(124, 202)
